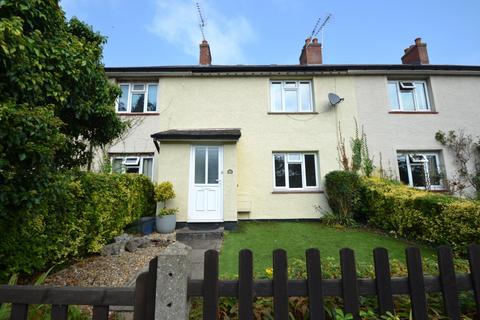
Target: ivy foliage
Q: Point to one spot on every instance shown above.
(56, 107)
(56, 103)
(48, 61)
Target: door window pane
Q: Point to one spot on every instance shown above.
(276, 96)
(137, 102)
(200, 154)
(213, 165)
(123, 100)
(408, 102)
(148, 167)
(295, 175)
(310, 174)
(421, 96)
(279, 170)
(291, 100)
(305, 97)
(393, 96)
(152, 98)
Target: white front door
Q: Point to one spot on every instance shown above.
(206, 185)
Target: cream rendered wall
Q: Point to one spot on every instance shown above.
(137, 140)
(243, 102)
(455, 98)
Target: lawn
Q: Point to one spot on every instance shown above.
(295, 237)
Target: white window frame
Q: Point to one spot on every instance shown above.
(415, 96)
(299, 99)
(304, 178)
(132, 91)
(139, 165)
(424, 155)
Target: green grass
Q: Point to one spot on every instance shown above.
(295, 237)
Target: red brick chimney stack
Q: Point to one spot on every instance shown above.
(311, 52)
(205, 55)
(416, 54)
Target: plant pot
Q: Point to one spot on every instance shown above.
(146, 225)
(166, 224)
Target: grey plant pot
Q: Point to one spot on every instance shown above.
(166, 224)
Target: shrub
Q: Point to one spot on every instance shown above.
(421, 215)
(81, 213)
(164, 192)
(343, 193)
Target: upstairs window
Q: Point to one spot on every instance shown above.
(420, 170)
(295, 171)
(408, 96)
(291, 96)
(138, 98)
(133, 164)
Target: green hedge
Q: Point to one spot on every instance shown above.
(420, 215)
(83, 212)
(343, 192)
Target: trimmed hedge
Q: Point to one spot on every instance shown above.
(420, 215)
(83, 212)
(343, 192)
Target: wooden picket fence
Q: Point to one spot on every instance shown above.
(245, 289)
(349, 287)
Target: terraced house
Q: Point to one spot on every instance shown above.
(255, 141)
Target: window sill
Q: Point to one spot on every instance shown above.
(438, 190)
(295, 113)
(128, 114)
(297, 191)
(413, 112)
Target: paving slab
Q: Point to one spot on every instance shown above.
(200, 242)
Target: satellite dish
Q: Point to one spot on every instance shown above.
(334, 99)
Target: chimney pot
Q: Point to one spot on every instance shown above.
(307, 41)
(315, 40)
(416, 54)
(205, 54)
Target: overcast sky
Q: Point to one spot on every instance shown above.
(166, 32)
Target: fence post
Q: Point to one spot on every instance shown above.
(173, 270)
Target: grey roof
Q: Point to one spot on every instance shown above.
(292, 68)
(198, 134)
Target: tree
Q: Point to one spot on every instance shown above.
(56, 103)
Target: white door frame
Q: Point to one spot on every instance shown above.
(192, 215)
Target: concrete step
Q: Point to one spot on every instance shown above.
(188, 235)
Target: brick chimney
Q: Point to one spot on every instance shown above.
(311, 52)
(205, 55)
(416, 54)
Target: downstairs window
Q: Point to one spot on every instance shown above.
(133, 164)
(295, 171)
(420, 170)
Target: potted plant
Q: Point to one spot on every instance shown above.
(165, 221)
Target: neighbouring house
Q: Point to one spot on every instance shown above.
(255, 141)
